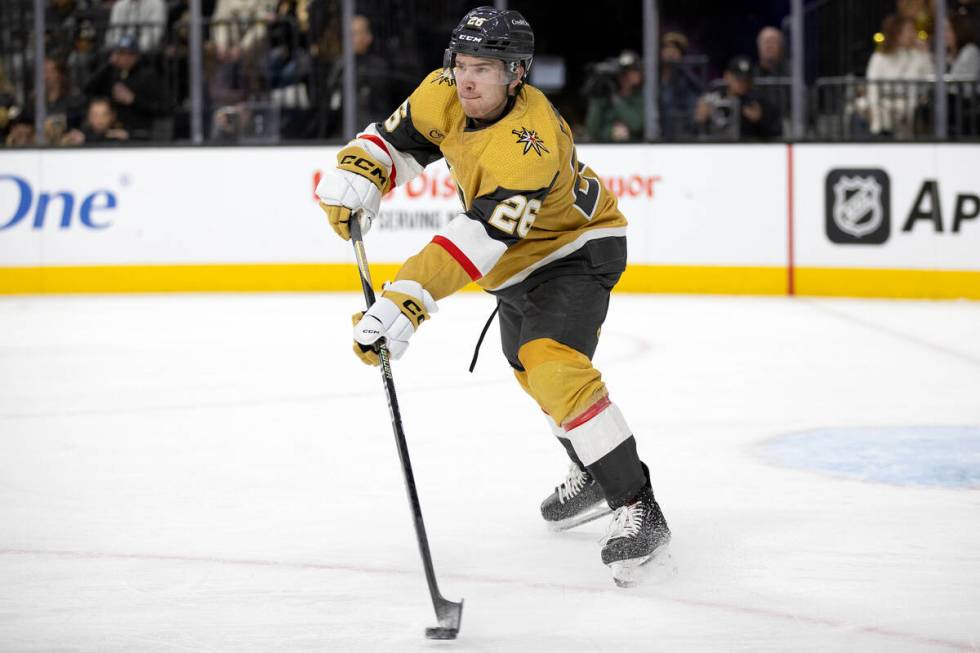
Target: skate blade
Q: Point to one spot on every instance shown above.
(600, 510)
(659, 565)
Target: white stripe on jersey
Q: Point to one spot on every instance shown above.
(561, 252)
(471, 238)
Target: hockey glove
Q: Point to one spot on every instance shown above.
(354, 187)
(395, 316)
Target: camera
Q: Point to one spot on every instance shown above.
(722, 110)
(602, 78)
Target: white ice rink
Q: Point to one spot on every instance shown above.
(218, 473)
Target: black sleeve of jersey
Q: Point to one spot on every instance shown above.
(408, 140)
(484, 206)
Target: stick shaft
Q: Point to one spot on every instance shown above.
(438, 601)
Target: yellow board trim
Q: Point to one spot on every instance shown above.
(276, 277)
(188, 278)
(710, 279)
(906, 284)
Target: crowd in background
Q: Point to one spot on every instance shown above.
(751, 101)
(690, 106)
(117, 71)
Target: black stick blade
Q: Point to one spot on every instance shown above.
(450, 614)
(441, 633)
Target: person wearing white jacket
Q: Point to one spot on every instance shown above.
(961, 46)
(145, 20)
(892, 70)
(239, 26)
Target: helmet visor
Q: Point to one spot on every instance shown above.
(481, 71)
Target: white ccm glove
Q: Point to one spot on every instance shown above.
(354, 187)
(395, 316)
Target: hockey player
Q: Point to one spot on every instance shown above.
(538, 231)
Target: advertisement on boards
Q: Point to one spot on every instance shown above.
(891, 206)
(686, 206)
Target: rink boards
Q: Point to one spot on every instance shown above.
(850, 220)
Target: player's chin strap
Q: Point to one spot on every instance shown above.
(479, 343)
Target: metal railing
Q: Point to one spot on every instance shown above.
(854, 108)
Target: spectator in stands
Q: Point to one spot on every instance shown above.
(64, 107)
(615, 111)
(893, 68)
(772, 69)
(287, 67)
(63, 103)
(9, 110)
(679, 89)
(739, 111)
(963, 55)
(324, 17)
(920, 12)
(21, 132)
(101, 126)
(239, 27)
(238, 33)
(137, 92)
(83, 60)
(144, 20)
(373, 90)
(963, 64)
(771, 49)
(325, 47)
(285, 61)
(61, 22)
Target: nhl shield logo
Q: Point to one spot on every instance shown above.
(857, 206)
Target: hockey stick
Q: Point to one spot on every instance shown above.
(447, 612)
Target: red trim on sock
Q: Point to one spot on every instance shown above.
(380, 143)
(460, 257)
(591, 412)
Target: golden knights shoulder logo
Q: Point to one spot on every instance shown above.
(531, 140)
(445, 77)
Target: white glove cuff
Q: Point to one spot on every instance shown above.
(415, 289)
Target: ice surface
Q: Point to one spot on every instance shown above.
(218, 473)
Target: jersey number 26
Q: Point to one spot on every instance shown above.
(515, 214)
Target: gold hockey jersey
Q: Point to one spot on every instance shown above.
(527, 199)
